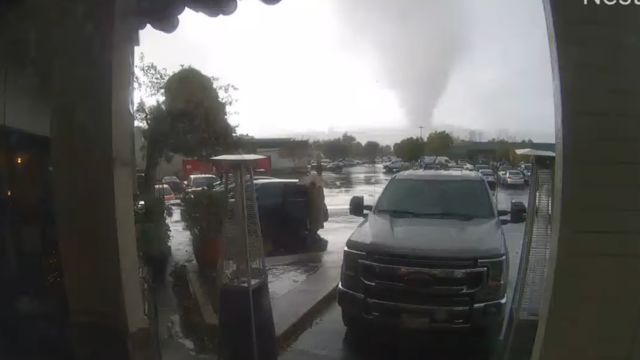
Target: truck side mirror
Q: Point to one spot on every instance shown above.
(356, 206)
(502, 213)
(518, 212)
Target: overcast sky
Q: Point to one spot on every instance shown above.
(376, 68)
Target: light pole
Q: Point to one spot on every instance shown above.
(420, 127)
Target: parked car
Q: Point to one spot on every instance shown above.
(431, 254)
(174, 183)
(526, 171)
(505, 168)
(427, 161)
(479, 167)
(348, 162)
(512, 178)
(335, 167)
(202, 181)
(466, 165)
(502, 172)
(284, 211)
(489, 177)
(261, 177)
(393, 166)
(165, 192)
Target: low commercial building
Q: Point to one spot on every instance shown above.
(287, 154)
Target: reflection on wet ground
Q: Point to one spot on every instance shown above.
(366, 181)
(329, 340)
(283, 278)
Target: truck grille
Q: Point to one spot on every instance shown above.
(421, 282)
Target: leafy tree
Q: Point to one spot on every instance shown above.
(504, 151)
(188, 115)
(410, 149)
(439, 143)
(191, 121)
(386, 150)
(347, 146)
(371, 150)
(226, 92)
(336, 149)
(198, 125)
(356, 150)
(149, 80)
(348, 139)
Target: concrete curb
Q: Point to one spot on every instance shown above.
(204, 303)
(293, 312)
(289, 259)
(290, 334)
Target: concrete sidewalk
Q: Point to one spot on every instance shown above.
(295, 309)
(299, 285)
(296, 297)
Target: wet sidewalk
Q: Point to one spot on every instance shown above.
(298, 285)
(309, 284)
(174, 345)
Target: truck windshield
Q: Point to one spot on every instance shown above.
(437, 198)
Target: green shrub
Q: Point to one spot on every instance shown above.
(203, 214)
(152, 230)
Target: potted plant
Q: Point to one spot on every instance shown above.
(153, 235)
(203, 215)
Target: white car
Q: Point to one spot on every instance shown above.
(164, 191)
(393, 166)
(436, 160)
(512, 178)
(202, 181)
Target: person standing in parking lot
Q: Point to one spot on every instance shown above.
(318, 213)
(318, 166)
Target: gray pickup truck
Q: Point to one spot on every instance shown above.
(431, 254)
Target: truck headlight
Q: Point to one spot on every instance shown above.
(350, 277)
(496, 285)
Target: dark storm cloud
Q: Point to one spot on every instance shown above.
(416, 44)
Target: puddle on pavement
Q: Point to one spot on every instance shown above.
(283, 278)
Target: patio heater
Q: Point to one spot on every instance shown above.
(530, 282)
(246, 320)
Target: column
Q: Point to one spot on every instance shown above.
(592, 303)
(92, 130)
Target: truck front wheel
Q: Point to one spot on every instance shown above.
(350, 321)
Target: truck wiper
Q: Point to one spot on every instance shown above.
(398, 212)
(449, 215)
(427, 215)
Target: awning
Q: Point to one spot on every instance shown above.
(533, 152)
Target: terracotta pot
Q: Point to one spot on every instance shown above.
(207, 253)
